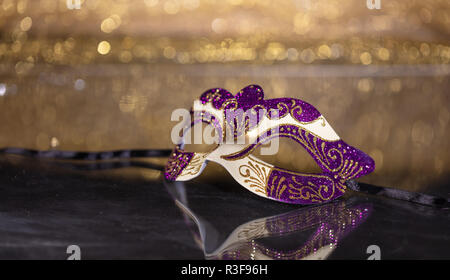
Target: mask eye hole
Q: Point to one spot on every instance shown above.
(290, 156)
(201, 138)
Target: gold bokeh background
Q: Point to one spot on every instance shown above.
(109, 74)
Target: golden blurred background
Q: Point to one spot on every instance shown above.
(99, 75)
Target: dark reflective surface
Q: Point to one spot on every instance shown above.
(129, 213)
(260, 238)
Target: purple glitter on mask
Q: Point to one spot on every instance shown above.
(253, 97)
(177, 162)
(338, 160)
(300, 188)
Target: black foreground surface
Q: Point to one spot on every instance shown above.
(44, 208)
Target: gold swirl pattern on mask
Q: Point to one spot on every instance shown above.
(311, 191)
(275, 113)
(348, 170)
(296, 108)
(277, 132)
(232, 101)
(256, 174)
(277, 191)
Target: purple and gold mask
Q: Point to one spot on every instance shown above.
(261, 121)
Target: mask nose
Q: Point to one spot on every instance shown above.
(176, 163)
(184, 166)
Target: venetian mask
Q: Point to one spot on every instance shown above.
(247, 114)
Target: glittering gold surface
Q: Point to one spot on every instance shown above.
(109, 74)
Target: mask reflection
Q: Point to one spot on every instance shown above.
(324, 225)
